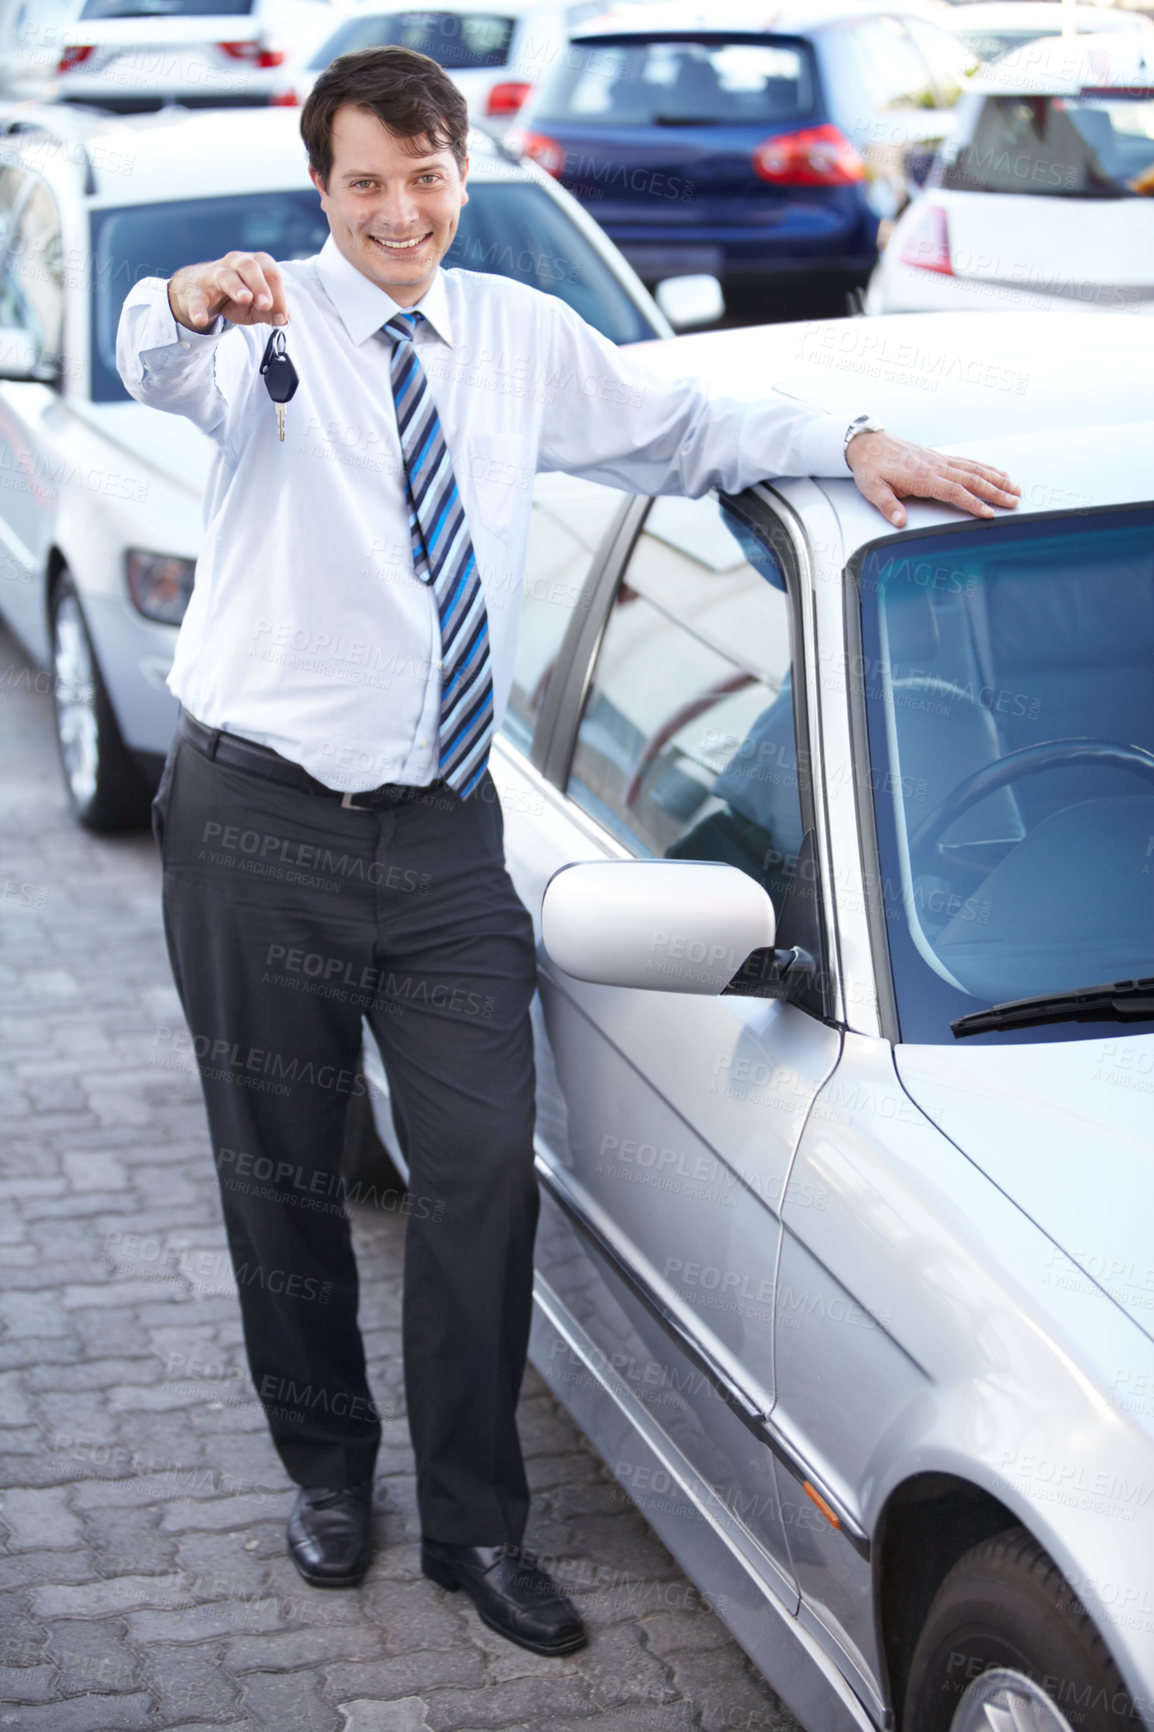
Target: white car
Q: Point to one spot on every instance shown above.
(844, 1262)
(133, 56)
(1041, 198)
(100, 498)
(31, 35)
(495, 55)
(990, 27)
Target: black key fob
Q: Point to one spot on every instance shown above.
(280, 376)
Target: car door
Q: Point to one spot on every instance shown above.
(31, 306)
(667, 1122)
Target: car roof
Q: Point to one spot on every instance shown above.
(984, 14)
(187, 153)
(1010, 389)
(743, 17)
(1065, 65)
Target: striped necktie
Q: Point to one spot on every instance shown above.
(443, 557)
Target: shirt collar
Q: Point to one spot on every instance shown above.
(364, 308)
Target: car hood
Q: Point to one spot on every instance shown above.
(1063, 1128)
(168, 445)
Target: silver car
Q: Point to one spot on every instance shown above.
(846, 1026)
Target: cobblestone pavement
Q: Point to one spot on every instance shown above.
(143, 1575)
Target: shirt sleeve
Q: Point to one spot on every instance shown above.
(205, 376)
(626, 426)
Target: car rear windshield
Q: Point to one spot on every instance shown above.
(1096, 145)
(167, 9)
(711, 82)
(455, 40)
(1006, 678)
(507, 229)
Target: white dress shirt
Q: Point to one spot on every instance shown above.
(307, 630)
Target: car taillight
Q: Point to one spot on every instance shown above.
(253, 53)
(544, 151)
(927, 242)
(75, 56)
(506, 98)
(816, 156)
(284, 99)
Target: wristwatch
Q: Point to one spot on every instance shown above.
(862, 424)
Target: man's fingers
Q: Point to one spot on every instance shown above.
(879, 492)
(997, 477)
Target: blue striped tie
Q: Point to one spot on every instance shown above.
(443, 557)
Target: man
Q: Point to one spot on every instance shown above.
(332, 845)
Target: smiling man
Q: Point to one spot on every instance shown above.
(344, 662)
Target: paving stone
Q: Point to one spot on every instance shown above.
(129, 1540)
(27, 1684)
(540, 1702)
(206, 1623)
(409, 1714)
(670, 1632)
(31, 1569)
(190, 1680)
(92, 1656)
(414, 1614)
(15, 1408)
(39, 1520)
(288, 1702)
(228, 1513)
(315, 1646)
(113, 1595)
(84, 1714)
(728, 1692)
(430, 1671)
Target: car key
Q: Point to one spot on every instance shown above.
(280, 377)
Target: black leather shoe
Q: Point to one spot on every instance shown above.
(329, 1534)
(512, 1595)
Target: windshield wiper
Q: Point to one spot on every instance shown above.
(1123, 1001)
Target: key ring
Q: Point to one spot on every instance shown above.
(273, 350)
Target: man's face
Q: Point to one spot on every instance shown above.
(393, 204)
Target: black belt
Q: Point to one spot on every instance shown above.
(239, 754)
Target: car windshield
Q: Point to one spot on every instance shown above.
(1096, 145)
(167, 9)
(1007, 676)
(681, 83)
(455, 40)
(507, 229)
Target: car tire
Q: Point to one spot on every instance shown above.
(105, 789)
(1007, 1642)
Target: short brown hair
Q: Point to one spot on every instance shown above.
(408, 93)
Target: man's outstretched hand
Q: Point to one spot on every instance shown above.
(888, 470)
(246, 288)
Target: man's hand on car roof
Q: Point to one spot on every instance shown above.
(244, 288)
(888, 470)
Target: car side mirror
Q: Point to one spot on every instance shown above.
(690, 301)
(661, 925)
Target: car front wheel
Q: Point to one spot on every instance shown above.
(105, 789)
(1006, 1645)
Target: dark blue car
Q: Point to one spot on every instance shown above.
(759, 147)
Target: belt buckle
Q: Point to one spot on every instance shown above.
(349, 802)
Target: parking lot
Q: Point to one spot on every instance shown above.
(143, 1576)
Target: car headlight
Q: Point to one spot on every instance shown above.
(160, 585)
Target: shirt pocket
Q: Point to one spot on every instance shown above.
(497, 480)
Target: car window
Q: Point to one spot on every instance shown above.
(686, 747)
(514, 229)
(509, 229)
(1011, 739)
(888, 66)
(31, 261)
(1096, 145)
(568, 522)
(455, 40)
(689, 83)
(950, 61)
(167, 9)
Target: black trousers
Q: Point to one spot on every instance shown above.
(288, 918)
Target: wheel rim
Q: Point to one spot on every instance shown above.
(76, 724)
(1006, 1701)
